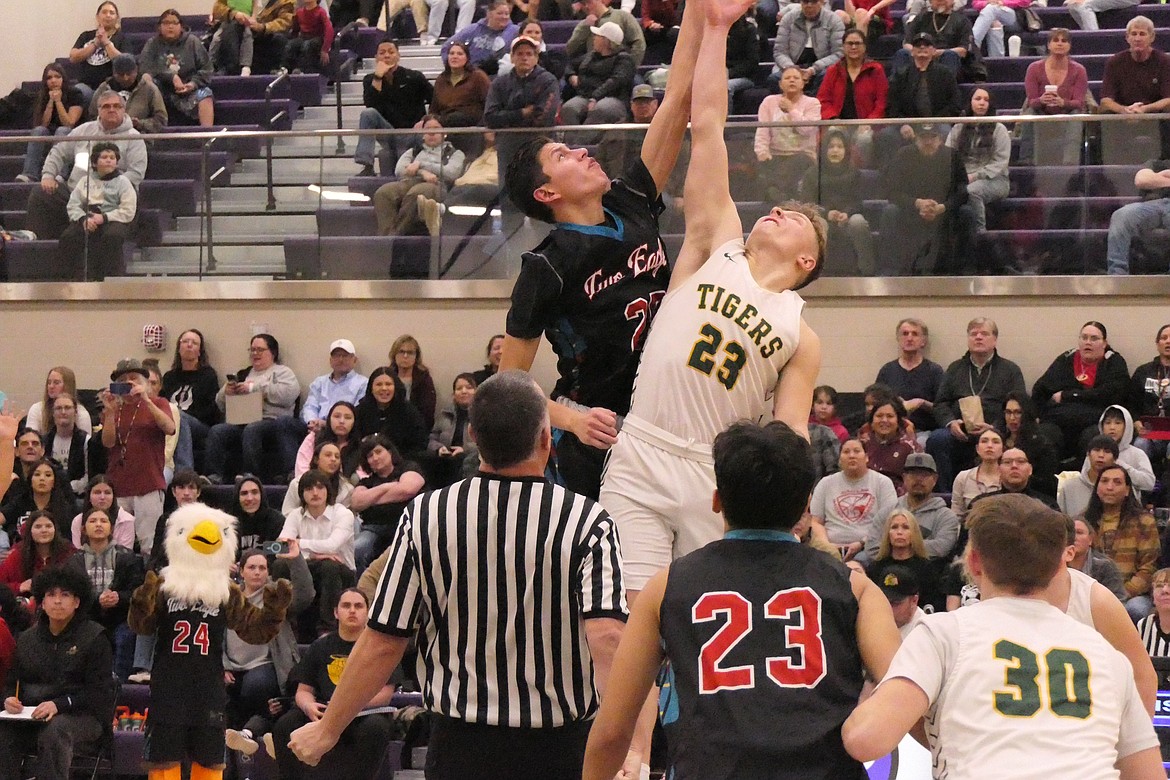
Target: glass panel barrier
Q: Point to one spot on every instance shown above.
(1008, 196)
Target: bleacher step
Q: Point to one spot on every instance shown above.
(229, 258)
(255, 195)
(231, 225)
(193, 238)
(309, 168)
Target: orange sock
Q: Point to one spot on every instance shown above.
(200, 772)
(170, 773)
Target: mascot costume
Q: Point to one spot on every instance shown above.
(188, 608)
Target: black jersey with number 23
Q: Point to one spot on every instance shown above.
(593, 291)
(762, 640)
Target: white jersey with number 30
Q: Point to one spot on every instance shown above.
(716, 350)
(1019, 690)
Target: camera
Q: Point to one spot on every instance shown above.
(275, 548)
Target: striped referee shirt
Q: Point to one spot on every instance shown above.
(496, 576)
(1157, 643)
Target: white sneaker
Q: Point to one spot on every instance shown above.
(426, 39)
(269, 747)
(245, 71)
(23, 178)
(241, 742)
(142, 678)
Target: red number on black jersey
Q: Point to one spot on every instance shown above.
(800, 606)
(200, 638)
(643, 310)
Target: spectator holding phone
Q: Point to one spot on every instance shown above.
(256, 673)
(134, 432)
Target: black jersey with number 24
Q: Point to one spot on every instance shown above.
(188, 657)
(593, 291)
(761, 636)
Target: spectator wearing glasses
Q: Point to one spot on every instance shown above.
(278, 431)
(406, 363)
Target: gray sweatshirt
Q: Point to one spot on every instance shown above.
(59, 164)
(114, 196)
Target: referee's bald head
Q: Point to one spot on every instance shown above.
(509, 417)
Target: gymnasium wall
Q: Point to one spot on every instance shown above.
(856, 332)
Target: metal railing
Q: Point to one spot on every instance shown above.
(269, 120)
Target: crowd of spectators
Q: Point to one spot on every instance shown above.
(593, 79)
(894, 485)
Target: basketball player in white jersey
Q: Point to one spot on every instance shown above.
(728, 344)
(1012, 687)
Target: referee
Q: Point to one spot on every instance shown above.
(514, 588)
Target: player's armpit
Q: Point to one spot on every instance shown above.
(1143, 765)
(879, 723)
(877, 634)
(635, 666)
(1113, 622)
(519, 353)
(798, 378)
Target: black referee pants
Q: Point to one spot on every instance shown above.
(468, 751)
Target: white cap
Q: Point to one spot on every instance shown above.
(610, 30)
(345, 344)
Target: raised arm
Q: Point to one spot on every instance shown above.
(664, 138)
(710, 212)
(797, 381)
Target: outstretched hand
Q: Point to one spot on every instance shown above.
(723, 13)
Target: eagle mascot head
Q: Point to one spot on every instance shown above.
(201, 546)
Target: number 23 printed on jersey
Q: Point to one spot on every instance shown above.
(802, 667)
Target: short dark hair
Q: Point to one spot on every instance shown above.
(1019, 540)
(251, 552)
(373, 441)
(764, 475)
(270, 342)
(524, 176)
(186, 478)
(507, 415)
(313, 478)
(827, 390)
(1103, 442)
(64, 578)
(1113, 413)
(466, 376)
(96, 152)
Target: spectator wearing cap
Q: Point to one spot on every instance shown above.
(927, 225)
(900, 585)
(526, 96)
(950, 32)
(598, 12)
(1015, 476)
(134, 432)
(937, 524)
(811, 39)
(144, 103)
(926, 89)
(342, 383)
(602, 79)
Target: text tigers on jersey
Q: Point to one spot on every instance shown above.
(731, 306)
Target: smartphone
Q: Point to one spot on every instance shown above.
(232, 379)
(275, 548)
(120, 388)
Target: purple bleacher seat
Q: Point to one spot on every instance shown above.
(1054, 213)
(188, 165)
(382, 257)
(175, 196)
(1059, 180)
(1041, 251)
(242, 148)
(353, 221)
(368, 185)
(304, 88)
(255, 112)
(558, 31)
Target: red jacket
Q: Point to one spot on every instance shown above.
(869, 91)
(12, 569)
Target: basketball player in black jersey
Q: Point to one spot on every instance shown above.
(767, 638)
(593, 285)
